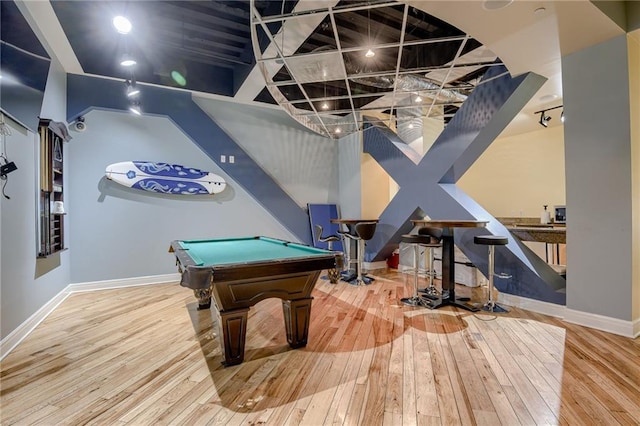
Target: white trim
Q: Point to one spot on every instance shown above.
(14, 338)
(122, 283)
(533, 305)
(371, 266)
(585, 319)
(600, 322)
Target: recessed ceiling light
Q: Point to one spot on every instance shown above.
(324, 105)
(495, 4)
(370, 54)
(122, 24)
(338, 130)
(547, 98)
(418, 98)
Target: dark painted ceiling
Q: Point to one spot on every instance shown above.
(211, 44)
(208, 42)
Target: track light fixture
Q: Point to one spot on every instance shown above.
(544, 118)
(134, 107)
(132, 88)
(127, 60)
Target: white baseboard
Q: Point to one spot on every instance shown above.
(23, 330)
(370, 266)
(122, 283)
(12, 340)
(599, 322)
(532, 305)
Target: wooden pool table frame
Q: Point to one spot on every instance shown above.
(234, 288)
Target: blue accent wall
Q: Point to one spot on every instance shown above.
(428, 188)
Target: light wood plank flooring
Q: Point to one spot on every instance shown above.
(146, 356)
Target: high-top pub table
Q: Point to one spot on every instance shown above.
(448, 260)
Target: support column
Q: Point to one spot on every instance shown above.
(601, 154)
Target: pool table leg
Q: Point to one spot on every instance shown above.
(334, 275)
(297, 314)
(232, 329)
(204, 297)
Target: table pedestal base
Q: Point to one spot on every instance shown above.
(459, 303)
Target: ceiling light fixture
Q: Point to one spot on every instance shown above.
(122, 24)
(127, 61)
(544, 118)
(132, 88)
(370, 53)
(134, 107)
(325, 105)
(418, 98)
(495, 4)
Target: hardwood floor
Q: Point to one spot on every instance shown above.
(146, 356)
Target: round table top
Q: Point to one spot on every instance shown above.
(451, 223)
(352, 221)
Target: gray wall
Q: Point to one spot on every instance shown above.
(598, 180)
(302, 162)
(28, 283)
(349, 171)
(119, 232)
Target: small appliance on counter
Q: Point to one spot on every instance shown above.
(560, 214)
(545, 217)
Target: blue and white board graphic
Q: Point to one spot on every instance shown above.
(165, 178)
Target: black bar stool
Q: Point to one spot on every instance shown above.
(491, 241)
(435, 235)
(333, 274)
(416, 241)
(364, 231)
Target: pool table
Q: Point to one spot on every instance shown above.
(237, 273)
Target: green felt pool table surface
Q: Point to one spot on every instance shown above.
(245, 250)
